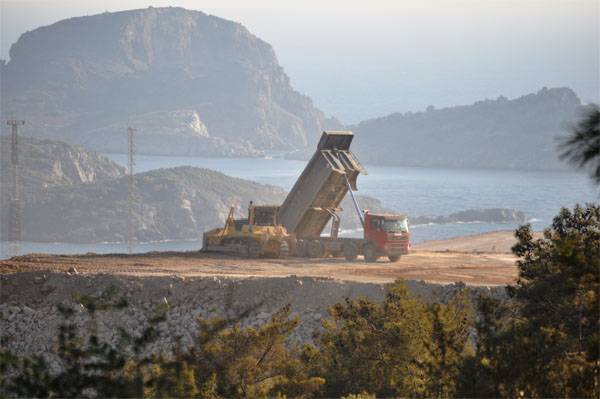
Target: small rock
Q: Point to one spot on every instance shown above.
(73, 270)
(46, 289)
(28, 311)
(263, 316)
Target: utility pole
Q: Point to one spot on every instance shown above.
(131, 188)
(14, 206)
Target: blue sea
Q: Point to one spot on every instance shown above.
(412, 190)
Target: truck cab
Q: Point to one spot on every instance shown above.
(387, 234)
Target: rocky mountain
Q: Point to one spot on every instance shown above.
(517, 134)
(191, 83)
(198, 85)
(46, 163)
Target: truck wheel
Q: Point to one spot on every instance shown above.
(350, 252)
(284, 250)
(314, 249)
(394, 258)
(370, 253)
(301, 249)
(292, 248)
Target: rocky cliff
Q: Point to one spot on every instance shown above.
(517, 134)
(191, 83)
(46, 163)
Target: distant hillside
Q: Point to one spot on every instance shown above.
(172, 204)
(191, 83)
(46, 163)
(516, 134)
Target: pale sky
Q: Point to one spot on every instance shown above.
(360, 59)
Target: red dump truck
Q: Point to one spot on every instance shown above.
(314, 201)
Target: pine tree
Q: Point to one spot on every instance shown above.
(582, 147)
(402, 347)
(544, 341)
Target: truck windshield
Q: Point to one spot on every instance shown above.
(395, 226)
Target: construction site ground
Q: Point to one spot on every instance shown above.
(483, 259)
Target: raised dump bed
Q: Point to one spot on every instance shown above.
(321, 187)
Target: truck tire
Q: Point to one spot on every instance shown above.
(370, 253)
(284, 250)
(292, 248)
(314, 249)
(350, 252)
(394, 258)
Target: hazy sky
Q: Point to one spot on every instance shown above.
(360, 59)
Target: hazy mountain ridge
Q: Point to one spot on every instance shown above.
(83, 79)
(199, 85)
(516, 134)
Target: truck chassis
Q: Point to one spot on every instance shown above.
(350, 248)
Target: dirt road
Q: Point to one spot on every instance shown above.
(467, 259)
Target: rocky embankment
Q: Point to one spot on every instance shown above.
(30, 317)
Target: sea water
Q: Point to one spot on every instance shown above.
(415, 191)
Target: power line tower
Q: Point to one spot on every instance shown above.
(14, 205)
(131, 188)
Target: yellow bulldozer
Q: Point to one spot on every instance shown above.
(260, 235)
